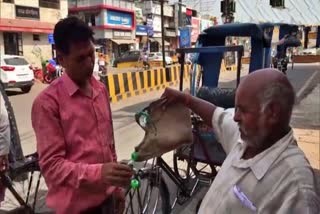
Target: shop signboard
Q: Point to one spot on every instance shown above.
(117, 18)
(50, 39)
(141, 30)
(27, 12)
(150, 25)
(185, 37)
(195, 29)
(117, 34)
(157, 23)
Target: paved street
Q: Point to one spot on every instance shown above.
(128, 134)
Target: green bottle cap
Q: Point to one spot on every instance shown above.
(135, 184)
(134, 156)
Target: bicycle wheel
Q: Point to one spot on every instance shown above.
(26, 186)
(188, 166)
(183, 164)
(152, 196)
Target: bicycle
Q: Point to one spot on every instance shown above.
(193, 164)
(23, 180)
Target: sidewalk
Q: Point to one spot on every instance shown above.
(306, 126)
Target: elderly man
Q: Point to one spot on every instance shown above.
(265, 171)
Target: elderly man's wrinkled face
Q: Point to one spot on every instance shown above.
(251, 119)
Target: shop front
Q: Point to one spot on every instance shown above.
(24, 32)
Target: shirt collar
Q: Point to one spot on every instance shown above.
(263, 161)
(72, 87)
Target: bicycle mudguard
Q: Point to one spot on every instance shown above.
(165, 130)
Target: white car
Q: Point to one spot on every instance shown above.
(16, 72)
(157, 56)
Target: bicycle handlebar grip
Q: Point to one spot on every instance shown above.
(135, 184)
(134, 156)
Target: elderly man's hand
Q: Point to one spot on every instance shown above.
(174, 96)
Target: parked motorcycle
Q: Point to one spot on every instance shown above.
(53, 72)
(281, 64)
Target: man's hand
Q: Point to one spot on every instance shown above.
(116, 174)
(4, 163)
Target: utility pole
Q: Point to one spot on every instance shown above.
(180, 13)
(163, 34)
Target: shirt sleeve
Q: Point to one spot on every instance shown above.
(112, 146)
(225, 128)
(51, 148)
(4, 129)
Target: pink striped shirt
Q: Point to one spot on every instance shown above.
(74, 138)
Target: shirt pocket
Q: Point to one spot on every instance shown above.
(239, 202)
(104, 110)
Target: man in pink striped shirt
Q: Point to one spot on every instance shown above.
(73, 125)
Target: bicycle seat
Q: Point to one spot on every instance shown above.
(222, 97)
(213, 148)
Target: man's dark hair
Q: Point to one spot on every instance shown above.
(69, 30)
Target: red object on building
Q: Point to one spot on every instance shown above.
(22, 25)
(195, 29)
(188, 12)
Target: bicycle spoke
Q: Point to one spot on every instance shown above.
(145, 199)
(139, 201)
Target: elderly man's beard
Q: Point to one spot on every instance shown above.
(257, 140)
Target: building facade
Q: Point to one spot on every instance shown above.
(151, 11)
(25, 26)
(113, 22)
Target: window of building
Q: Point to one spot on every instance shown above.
(13, 43)
(91, 18)
(55, 4)
(36, 37)
(8, 1)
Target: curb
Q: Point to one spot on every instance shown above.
(128, 84)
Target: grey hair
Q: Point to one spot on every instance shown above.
(280, 93)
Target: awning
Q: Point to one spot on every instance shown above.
(159, 40)
(123, 41)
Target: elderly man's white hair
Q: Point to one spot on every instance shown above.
(280, 93)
